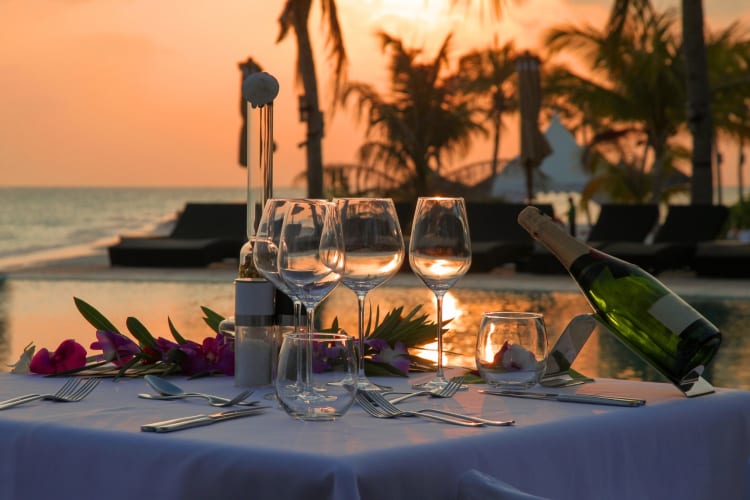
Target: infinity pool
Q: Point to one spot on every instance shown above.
(42, 311)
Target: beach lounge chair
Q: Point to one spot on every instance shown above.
(496, 237)
(722, 259)
(676, 241)
(204, 233)
(617, 222)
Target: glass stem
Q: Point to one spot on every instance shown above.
(439, 297)
(297, 315)
(309, 348)
(361, 322)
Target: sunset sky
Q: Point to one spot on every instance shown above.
(146, 92)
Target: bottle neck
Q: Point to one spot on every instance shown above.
(552, 235)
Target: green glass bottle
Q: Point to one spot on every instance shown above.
(638, 309)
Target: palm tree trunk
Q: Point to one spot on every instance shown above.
(699, 101)
(497, 124)
(306, 62)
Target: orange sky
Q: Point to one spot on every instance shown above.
(146, 92)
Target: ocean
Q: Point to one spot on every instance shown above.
(45, 224)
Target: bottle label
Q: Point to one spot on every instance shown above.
(674, 313)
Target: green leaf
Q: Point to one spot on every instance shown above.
(140, 332)
(178, 338)
(212, 318)
(94, 317)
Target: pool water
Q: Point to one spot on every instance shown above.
(43, 311)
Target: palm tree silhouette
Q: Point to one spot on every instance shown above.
(294, 17)
(423, 119)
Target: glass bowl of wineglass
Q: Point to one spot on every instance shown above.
(440, 254)
(373, 253)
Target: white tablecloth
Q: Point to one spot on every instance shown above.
(671, 448)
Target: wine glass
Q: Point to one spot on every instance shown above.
(266, 250)
(439, 253)
(373, 252)
(309, 252)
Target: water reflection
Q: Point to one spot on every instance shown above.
(43, 312)
(603, 355)
(4, 299)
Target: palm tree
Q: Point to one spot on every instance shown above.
(729, 72)
(423, 119)
(699, 100)
(295, 16)
(636, 83)
(698, 91)
(614, 103)
(489, 73)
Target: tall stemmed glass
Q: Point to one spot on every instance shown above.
(266, 250)
(373, 252)
(439, 253)
(309, 251)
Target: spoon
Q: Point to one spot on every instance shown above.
(168, 390)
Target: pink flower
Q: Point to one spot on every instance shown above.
(214, 354)
(116, 347)
(69, 355)
(396, 356)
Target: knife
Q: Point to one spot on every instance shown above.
(569, 398)
(177, 424)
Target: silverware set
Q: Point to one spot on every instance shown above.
(453, 386)
(374, 403)
(72, 391)
(378, 406)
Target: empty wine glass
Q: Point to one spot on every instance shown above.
(266, 250)
(309, 251)
(439, 253)
(373, 252)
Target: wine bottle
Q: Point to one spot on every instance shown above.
(632, 304)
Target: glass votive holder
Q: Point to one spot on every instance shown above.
(511, 349)
(316, 377)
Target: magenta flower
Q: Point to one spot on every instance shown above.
(325, 355)
(214, 354)
(116, 347)
(396, 356)
(69, 355)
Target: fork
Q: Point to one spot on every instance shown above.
(389, 407)
(380, 412)
(72, 391)
(446, 392)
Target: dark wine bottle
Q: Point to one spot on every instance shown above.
(632, 304)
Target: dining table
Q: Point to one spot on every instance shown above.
(672, 447)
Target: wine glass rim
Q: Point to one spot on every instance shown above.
(319, 336)
(440, 198)
(360, 198)
(513, 314)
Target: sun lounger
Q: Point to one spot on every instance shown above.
(496, 237)
(617, 222)
(623, 222)
(722, 259)
(676, 240)
(204, 233)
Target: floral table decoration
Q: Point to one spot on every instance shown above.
(389, 345)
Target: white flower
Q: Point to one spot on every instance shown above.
(516, 358)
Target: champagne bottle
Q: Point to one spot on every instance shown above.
(632, 304)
